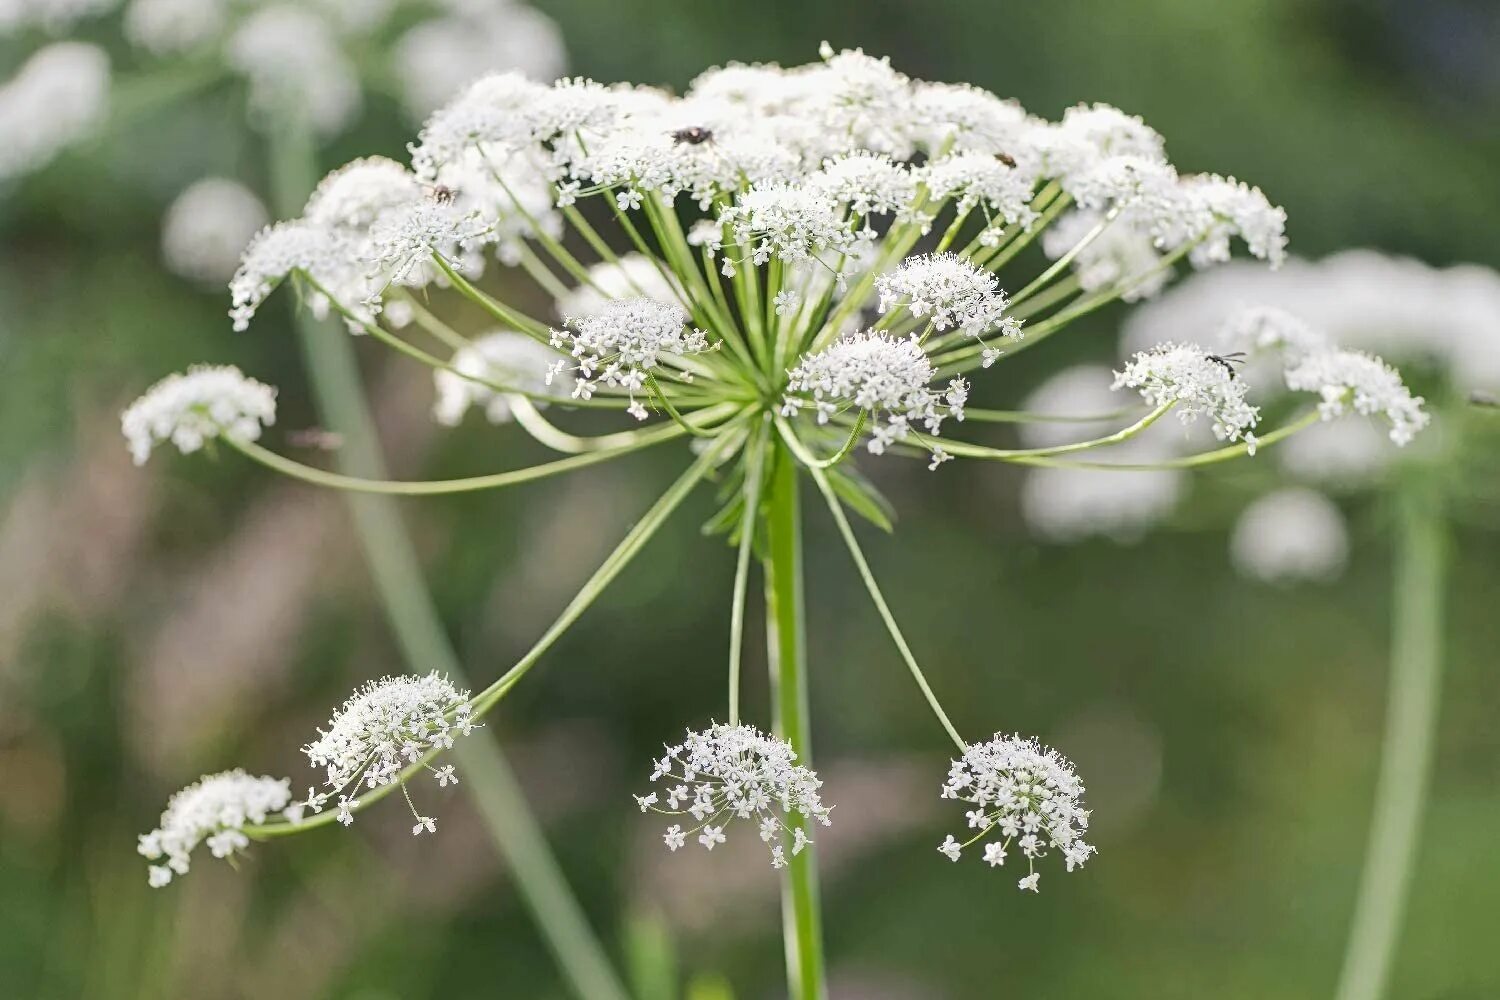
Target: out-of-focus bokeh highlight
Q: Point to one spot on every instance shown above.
(1220, 685)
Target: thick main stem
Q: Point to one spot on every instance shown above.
(334, 375)
(1406, 755)
(801, 915)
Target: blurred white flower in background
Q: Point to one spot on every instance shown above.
(58, 97)
(292, 58)
(438, 57)
(1071, 504)
(1289, 536)
(506, 357)
(208, 227)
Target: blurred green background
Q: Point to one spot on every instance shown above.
(197, 615)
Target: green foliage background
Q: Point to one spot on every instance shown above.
(1374, 123)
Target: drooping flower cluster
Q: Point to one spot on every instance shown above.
(727, 773)
(624, 344)
(189, 410)
(1353, 381)
(888, 376)
(212, 810)
(1026, 796)
(1198, 383)
(504, 357)
(384, 728)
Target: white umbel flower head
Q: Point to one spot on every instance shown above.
(1113, 132)
(1120, 254)
(622, 344)
(980, 181)
(1027, 798)
(208, 227)
(189, 410)
(505, 357)
(1200, 384)
(329, 258)
(355, 195)
(1289, 536)
(869, 183)
(888, 376)
(215, 810)
(291, 58)
(1362, 383)
(1267, 328)
(727, 773)
(438, 57)
(792, 223)
(947, 291)
(57, 97)
(383, 728)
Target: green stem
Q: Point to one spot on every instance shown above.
(755, 461)
(515, 832)
(847, 531)
(801, 917)
(438, 487)
(1406, 754)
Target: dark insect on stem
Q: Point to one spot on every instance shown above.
(442, 194)
(693, 135)
(1006, 158)
(1228, 361)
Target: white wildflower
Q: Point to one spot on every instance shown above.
(213, 810)
(1199, 384)
(207, 228)
(437, 57)
(794, 224)
(966, 119)
(979, 180)
(947, 291)
(1030, 798)
(384, 728)
(325, 256)
(622, 344)
(888, 376)
(1267, 328)
(189, 410)
(403, 242)
(1235, 209)
(1290, 535)
(55, 99)
(1113, 132)
(1120, 254)
(869, 183)
(358, 193)
(1362, 383)
(504, 357)
(292, 59)
(737, 772)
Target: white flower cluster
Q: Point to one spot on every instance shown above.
(189, 410)
(792, 223)
(311, 53)
(1120, 255)
(212, 810)
(369, 225)
(1198, 383)
(622, 344)
(1353, 381)
(207, 228)
(736, 772)
(56, 98)
(504, 357)
(1025, 796)
(1000, 190)
(1290, 535)
(384, 728)
(887, 376)
(947, 291)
